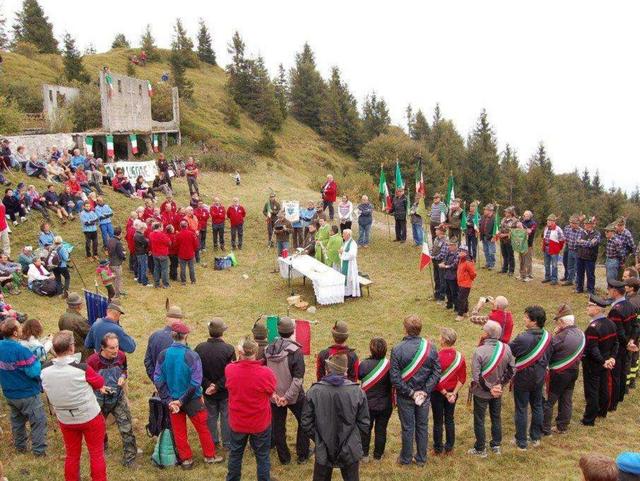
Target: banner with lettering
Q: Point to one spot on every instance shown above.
(132, 170)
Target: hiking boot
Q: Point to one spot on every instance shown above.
(567, 283)
(188, 464)
(475, 452)
(544, 281)
(215, 460)
(496, 450)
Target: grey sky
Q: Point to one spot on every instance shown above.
(562, 72)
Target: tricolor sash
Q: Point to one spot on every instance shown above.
(536, 353)
(453, 367)
(562, 364)
(495, 360)
(418, 360)
(376, 374)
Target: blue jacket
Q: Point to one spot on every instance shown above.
(427, 376)
(158, 342)
(78, 161)
(19, 371)
(63, 255)
(89, 221)
(46, 238)
(104, 213)
(306, 215)
(103, 326)
(178, 374)
(366, 214)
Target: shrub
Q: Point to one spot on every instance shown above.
(162, 103)
(27, 96)
(11, 119)
(212, 158)
(26, 49)
(231, 112)
(86, 109)
(353, 184)
(63, 121)
(266, 144)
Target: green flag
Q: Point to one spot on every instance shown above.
(463, 220)
(451, 194)
(496, 223)
(383, 190)
(272, 328)
(399, 179)
(476, 218)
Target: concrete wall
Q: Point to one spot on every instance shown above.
(128, 108)
(51, 94)
(173, 124)
(39, 144)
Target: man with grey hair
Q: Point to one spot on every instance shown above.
(349, 264)
(567, 346)
(492, 367)
(529, 223)
(499, 314)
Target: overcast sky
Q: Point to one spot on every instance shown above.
(564, 72)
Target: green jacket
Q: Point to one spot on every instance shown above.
(333, 250)
(322, 237)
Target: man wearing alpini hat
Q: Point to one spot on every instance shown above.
(487, 222)
(587, 244)
(415, 371)
(72, 320)
(340, 334)
(567, 347)
(552, 245)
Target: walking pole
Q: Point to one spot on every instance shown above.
(79, 274)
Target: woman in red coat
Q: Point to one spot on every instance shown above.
(187, 244)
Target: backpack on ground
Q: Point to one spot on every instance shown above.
(159, 417)
(164, 453)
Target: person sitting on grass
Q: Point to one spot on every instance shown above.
(121, 183)
(52, 202)
(597, 467)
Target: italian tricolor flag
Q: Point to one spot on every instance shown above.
(134, 143)
(377, 373)
(399, 179)
(110, 151)
(420, 190)
(536, 353)
(425, 255)
(451, 370)
(383, 190)
(496, 359)
(418, 360)
(109, 81)
(149, 88)
(562, 364)
(155, 143)
(451, 193)
(88, 145)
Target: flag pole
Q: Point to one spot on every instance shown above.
(426, 239)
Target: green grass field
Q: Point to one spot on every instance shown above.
(399, 289)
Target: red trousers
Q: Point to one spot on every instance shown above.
(93, 432)
(179, 428)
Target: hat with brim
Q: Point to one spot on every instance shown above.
(217, 326)
(598, 301)
(74, 299)
(115, 307)
(340, 331)
(174, 312)
(614, 283)
(337, 364)
(286, 326)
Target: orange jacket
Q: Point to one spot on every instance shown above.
(466, 273)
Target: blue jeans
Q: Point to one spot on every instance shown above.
(107, 232)
(280, 245)
(522, 400)
(365, 234)
(192, 270)
(142, 269)
(479, 412)
(612, 266)
(418, 233)
(489, 249)
(414, 422)
(217, 409)
(551, 267)
(161, 270)
(589, 268)
(572, 260)
(28, 410)
(472, 244)
(260, 444)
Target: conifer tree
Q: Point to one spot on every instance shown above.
(148, 44)
(33, 26)
(184, 45)
(420, 130)
(480, 168)
(205, 48)
(73, 68)
(266, 144)
(539, 181)
(179, 74)
(282, 91)
(306, 89)
(375, 117)
(120, 41)
(512, 178)
(4, 40)
(410, 119)
(341, 124)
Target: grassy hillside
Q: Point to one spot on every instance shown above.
(241, 294)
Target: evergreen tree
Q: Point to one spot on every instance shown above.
(120, 41)
(33, 26)
(266, 144)
(131, 69)
(596, 185)
(178, 73)
(4, 40)
(481, 166)
(148, 44)
(90, 50)
(542, 161)
(410, 119)
(73, 68)
(539, 184)
(184, 45)
(282, 91)
(375, 117)
(231, 113)
(512, 178)
(306, 89)
(421, 128)
(586, 180)
(341, 124)
(205, 48)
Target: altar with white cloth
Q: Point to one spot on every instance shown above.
(328, 284)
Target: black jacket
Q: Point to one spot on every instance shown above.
(141, 244)
(399, 207)
(215, 355)
(624, 316)
(602, 341)
(531, 377)
(336, 416)
(116, 251)
(379, 396)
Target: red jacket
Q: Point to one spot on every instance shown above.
(172, 206)
(159, 243)
(446, 357)
(505, 319)
(148, 212)
(3, 218)
(191, 169)
(250, 386)
(74, 186)
(187, 242)
(217, 214)
(131, 243)
(236, 214)
(203, 217)
(173, 248)
(330, 191)
(466, 273)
